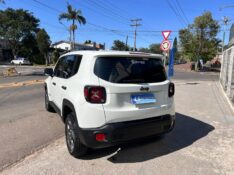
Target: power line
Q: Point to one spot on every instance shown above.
(111, 4)
(107, 29)
(102, 11)
(109, 12)
(115, 31)
(135, 24)
(180, 19)
(59, 11)
(185, 17)
(45, 5)
(108, 9)
(116, 7)
(103, 7)
(226, 6)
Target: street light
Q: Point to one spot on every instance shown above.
(226, 6)
(69, 30)
(225, 20)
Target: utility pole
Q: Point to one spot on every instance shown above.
(225, 21)
(69, 30)
(126, 44)
(135, 24)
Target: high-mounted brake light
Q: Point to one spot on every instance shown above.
(95, 94)
(171, 90)
(139, 53)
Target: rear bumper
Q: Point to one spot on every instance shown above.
(117, 133)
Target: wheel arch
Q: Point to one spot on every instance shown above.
(45, 86)
(67, 108)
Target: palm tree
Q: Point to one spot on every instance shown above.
(73, 15)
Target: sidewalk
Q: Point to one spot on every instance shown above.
(21, 70)
(201, 143)
(182, 67)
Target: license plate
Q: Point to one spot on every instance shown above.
(143, 98)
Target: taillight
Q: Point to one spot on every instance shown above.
(95, 94)
(171, 90)
(100, 137)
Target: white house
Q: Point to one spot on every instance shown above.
(66, 45)
(62, 45)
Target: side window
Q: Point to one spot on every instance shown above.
(59, 68)
(77, 64)
(67, 66)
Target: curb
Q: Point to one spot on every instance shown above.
(226, 97)
(20, 84)
(31, 154)
(185, 70)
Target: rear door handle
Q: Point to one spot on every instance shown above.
(64, 87)
(54, 83)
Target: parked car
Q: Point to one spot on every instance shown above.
(107, 98)
(21, 61)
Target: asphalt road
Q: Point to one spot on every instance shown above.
(202, 142)
(25, 126)
(18, 79)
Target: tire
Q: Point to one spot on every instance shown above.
(74, 145)
(48, 107)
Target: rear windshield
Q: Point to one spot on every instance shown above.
(130, 70)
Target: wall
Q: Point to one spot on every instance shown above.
(227, 73)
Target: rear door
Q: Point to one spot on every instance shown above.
(136, 87)
(58, 81)
(65, 69)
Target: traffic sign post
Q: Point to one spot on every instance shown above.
(166, 34)
(165, 45)
(171, 63)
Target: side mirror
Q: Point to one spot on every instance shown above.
(49, 72)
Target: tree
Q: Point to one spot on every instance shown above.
(43, 42)
(199, 39)
(144, 49)
(28, 48)
(119, 45)
(17, 25)
(55, 56)
(73, 15)
(175, 47)
(88, 42)
(155, 48)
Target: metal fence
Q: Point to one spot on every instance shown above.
(227, 72)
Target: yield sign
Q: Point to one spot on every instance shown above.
(165, 45)
(166, 34)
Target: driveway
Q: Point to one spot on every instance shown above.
(201, 143)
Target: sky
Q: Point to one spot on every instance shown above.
(109, 20)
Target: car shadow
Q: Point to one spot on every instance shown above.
(187, 131)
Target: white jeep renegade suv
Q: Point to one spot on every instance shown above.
(109, 97)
